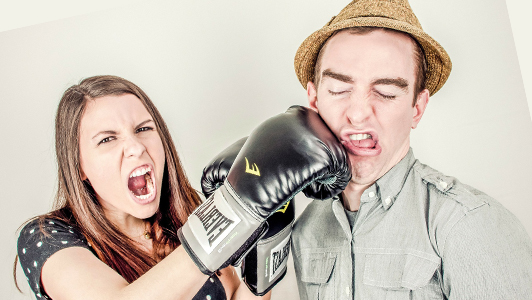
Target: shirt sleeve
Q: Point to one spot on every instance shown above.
(211, 290)
(488, 255)
(36, 244)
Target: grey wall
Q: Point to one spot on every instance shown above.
(216, 69)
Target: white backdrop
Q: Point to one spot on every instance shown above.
(216, 69)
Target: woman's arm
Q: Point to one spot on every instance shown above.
(76, 273)
(236, 289)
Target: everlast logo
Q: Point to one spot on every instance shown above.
(278, 257)
(214, 222)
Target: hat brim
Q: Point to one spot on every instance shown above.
(438, 62)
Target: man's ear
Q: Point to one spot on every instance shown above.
(419, 107)
(312, 96)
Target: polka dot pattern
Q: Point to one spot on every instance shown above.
(211, 290)
(35, 247)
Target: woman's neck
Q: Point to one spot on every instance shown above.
(127, 224)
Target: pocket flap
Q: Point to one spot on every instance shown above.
(317, 265)
(395, 271)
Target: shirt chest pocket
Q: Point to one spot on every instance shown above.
(401, 276)
(317, 267)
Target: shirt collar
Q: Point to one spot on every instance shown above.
(390, 184)
(339, 212)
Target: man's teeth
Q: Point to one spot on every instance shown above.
(140, 172)
(360, 136)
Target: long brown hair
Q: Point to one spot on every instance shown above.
(75, 201)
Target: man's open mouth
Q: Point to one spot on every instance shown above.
(140, 182)
(362, 140)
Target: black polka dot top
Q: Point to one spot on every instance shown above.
(35, 247)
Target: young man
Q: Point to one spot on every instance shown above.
(400, 230)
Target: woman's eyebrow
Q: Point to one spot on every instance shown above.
(144, 123)
(114, 132)
(104, 132)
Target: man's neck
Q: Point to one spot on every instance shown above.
(352, 194)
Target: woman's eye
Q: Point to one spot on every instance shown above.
(106, 140)
(144, 129)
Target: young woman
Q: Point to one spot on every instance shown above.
(122, 195)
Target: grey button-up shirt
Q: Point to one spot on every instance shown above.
(418, 235)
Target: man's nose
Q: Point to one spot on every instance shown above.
(133, 147)
(360, 109)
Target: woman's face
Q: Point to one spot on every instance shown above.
(122, 156)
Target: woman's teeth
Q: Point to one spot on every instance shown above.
(140, 172)
(140, 183)
(360, 136)
(149, 186)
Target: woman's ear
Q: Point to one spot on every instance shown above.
(82, 175)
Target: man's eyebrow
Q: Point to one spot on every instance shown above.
(337, 76)
(398, 82)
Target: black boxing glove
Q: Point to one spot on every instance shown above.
(216, 171)
(266, 264)
(284, 155)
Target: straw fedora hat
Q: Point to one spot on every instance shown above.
(393, 14)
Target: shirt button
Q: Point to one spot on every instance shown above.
(443, 184)
(371, 194)
(347, 290)
(388, 200)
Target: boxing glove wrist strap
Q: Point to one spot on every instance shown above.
(220, 231)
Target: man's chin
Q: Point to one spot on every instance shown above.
(365, 169)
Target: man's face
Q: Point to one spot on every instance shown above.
(365, 96)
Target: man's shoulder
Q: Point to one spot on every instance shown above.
(444, 188)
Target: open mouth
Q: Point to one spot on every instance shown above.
(362, 144)
(363, 140)
(140, 183)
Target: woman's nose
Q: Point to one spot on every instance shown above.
(133, 147)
